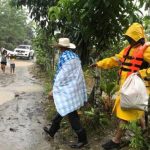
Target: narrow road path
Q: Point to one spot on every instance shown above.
(21, 113)
(22, 116)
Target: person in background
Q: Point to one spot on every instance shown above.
(12, 63)
(3, 60)
(134, 58)
(69, 92)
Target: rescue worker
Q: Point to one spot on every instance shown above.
(134, 58)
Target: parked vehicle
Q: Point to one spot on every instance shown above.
(24, 51)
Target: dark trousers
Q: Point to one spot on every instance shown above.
(74, 120)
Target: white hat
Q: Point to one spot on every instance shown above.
(65, 42)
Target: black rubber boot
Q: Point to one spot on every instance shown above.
(52, 128)
(111, 145)
(82, 139)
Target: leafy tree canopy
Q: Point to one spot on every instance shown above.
(87, 22)
(13, 27)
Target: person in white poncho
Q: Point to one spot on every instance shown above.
(69, 92)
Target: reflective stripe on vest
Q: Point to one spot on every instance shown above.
(136, 59)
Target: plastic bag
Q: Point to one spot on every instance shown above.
(134, 94)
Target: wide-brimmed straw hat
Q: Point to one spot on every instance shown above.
(65, 42)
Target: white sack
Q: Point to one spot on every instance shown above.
(134, 94)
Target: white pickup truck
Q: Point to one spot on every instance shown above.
(24, 51)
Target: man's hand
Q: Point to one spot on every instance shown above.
(93, 66)
(50, 95)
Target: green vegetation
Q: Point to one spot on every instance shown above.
(96, 27)
(13, 27)
(147, 26)
(86, 23)
(138, 141)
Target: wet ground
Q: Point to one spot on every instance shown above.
(22, 116)
(21, 112)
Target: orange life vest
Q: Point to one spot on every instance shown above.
(136, 60)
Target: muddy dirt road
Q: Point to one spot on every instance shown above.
(21, 113)
(22, 116)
